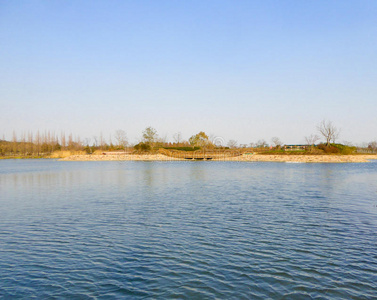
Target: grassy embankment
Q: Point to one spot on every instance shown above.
(322, 149)
(333, 149)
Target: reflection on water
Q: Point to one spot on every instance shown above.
(187, 230)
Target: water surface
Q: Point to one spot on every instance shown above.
(189, 230)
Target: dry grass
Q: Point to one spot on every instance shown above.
(98, 152)
(65, 153)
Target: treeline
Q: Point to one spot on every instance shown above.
(39, 144)
(42, 144)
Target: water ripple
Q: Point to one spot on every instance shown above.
(187, 230)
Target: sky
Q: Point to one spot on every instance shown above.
(241, 70)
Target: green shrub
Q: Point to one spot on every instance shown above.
(87, 149)
(343, 149)
(143, 147)
(328, 149)
(337, 148)
(57, 147)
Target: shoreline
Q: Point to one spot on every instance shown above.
(242, 158)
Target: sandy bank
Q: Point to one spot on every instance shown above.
(133, 157)
(255, 157)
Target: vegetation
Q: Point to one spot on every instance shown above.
(232, 144)
(49, 144)
(121, 137)
(328, 131)
(182, 148)
(337, 148)
(150, 136)
(142, 147)
(45, 144)
(199, 140)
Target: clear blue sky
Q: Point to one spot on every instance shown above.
(244, 70)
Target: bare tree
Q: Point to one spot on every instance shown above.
(63, 140)
(262, 143)
(14, 142)
(110, 141)
(101, 141)
(373, 146)
(87, 146)
(95, 143)
(78, 143)
(23, 143)
(163, 139)
(30, 142)
(328, 131)
(177, 137)
(120, 136)
(38, 142)
(276, 142)
(70, 142)
(311, 140)
(232, 144)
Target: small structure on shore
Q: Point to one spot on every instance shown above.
(295, 147)
(117, 153)
(201, 154)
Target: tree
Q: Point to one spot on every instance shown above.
(121, 137)
(63, 140)
(14, 143)
(262, 143)
(101, 141)
(373, 146)
(328, 131)
(276, 141)
(200, 139)
(23, 143)
(311, 140)
(232, 144)
(150, 135)
(177, 137)
(30, 142)
(95, 143)
(38, 142)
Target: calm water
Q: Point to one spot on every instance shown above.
(188, 230)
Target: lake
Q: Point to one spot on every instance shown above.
(187, 230)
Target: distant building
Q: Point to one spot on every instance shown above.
(295, 147)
